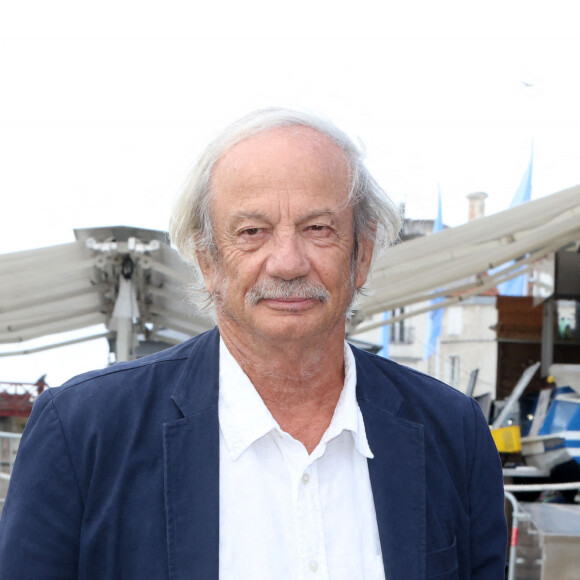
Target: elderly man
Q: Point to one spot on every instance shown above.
(267, 448)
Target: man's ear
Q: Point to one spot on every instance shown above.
(366, 247)
(208, 268)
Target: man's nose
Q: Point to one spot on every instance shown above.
(287, 258)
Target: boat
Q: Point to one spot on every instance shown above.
(556, 439)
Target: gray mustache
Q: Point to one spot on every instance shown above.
(278, 289)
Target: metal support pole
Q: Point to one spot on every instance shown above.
(10, 454)
(548, 336)
(124, 341)
(517, 517)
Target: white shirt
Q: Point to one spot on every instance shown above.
(285, 514)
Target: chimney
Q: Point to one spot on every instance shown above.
(476, 205)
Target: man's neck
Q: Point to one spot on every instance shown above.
(299, 381)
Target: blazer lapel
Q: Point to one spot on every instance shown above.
(191, 447)
(397, 474)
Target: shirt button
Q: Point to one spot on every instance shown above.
(305, 480)
(313, 565)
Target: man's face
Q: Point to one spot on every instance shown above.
(284, 235)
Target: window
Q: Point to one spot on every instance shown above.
(453, 370)
(401, 332)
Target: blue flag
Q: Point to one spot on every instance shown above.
(524, 191)
(435, 317)
(385, 337)
(515, 286)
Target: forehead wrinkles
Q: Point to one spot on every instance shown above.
(286, 159)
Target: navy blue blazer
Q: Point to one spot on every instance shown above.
(117, 475)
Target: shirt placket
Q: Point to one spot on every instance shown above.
(311, 545)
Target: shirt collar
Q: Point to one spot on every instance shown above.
(244, 418)
(347, 415)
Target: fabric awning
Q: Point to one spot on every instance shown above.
(456, 263)
(76, 286)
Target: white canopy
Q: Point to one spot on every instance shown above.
(76, 285)
(120, 277)
(456, 263)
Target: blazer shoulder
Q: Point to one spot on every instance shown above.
(409, 393)
(406, 381)
(159, 370)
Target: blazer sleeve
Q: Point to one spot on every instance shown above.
(488, 529)
(41, 519)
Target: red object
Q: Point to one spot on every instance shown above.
(515, 534)
(16, 399)
(15, 405)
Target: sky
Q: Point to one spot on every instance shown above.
(105, 104)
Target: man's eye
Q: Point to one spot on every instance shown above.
(320, 229)
(251, 231)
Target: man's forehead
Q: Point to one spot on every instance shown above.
(279, 136)
(283, 152)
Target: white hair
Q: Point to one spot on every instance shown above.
(191, 228)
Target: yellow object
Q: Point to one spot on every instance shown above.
(507, 439)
